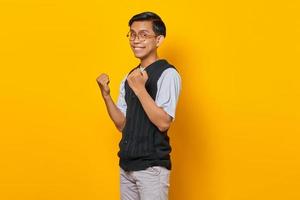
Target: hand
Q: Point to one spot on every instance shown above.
(103, 81)
(137, 80)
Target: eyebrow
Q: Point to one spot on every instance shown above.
(140, 30)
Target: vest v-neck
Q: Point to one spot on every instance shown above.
(158, 62)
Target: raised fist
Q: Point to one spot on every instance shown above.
(103, 81)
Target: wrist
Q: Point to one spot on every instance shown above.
(106, 96)
(140, 92)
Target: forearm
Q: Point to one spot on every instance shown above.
(156, 114)
(114, 113)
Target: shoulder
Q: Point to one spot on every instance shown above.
(170, 74)
(170, 78)
(123, 81)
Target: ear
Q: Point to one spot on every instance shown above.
(159, 40)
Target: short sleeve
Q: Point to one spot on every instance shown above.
(121, 103)
(168, 91)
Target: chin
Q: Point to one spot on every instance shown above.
(140, 56)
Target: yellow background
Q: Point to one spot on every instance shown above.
(236, 133)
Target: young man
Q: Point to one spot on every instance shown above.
(145, 109)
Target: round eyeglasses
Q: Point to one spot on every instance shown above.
(142, 36)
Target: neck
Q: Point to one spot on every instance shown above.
(145, 62)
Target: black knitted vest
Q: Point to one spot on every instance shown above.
(143, 144)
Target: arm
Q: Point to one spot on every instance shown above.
(114, 112)
(156, 114)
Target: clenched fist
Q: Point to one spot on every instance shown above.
(137, 80)
(103, 81)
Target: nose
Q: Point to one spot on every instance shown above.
(135, 43)
(136, 40)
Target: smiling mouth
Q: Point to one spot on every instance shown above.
(138, 48)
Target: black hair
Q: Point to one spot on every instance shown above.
(158, 25)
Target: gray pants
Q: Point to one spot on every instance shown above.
(149, 184)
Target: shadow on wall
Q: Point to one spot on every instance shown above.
(191, 174)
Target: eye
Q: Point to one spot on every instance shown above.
(143, 35)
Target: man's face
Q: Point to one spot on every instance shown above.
(140, 47)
